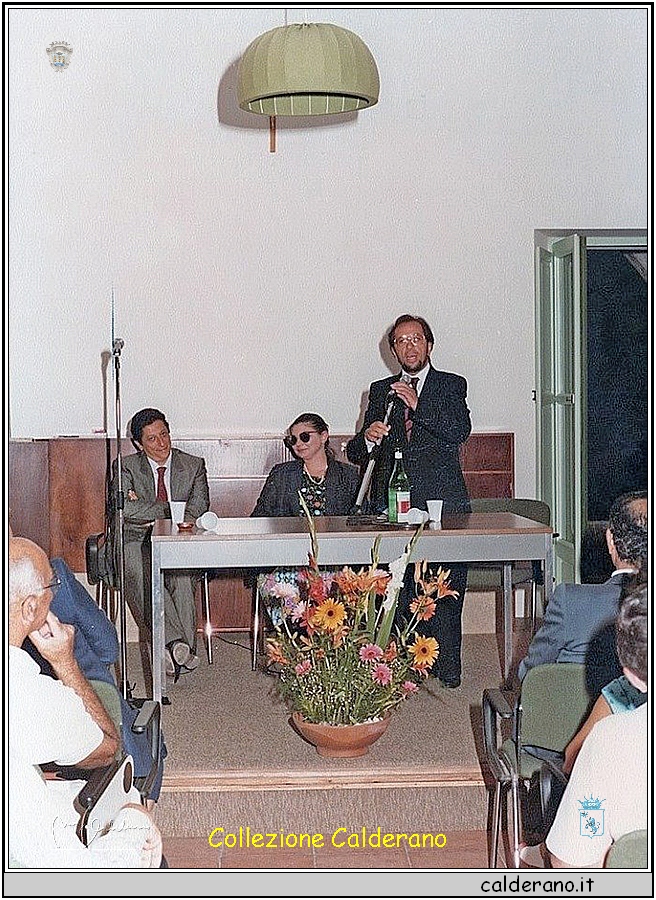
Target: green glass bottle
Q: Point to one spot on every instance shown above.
(398, 493)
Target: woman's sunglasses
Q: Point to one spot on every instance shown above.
(304, 437)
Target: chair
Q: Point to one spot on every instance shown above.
(145, 716)
(628, 852)
(489, 576)
(552, 704)
(97, 574)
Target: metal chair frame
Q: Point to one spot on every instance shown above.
(552, 704)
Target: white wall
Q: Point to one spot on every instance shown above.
(252, 286)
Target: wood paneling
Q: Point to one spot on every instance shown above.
(29, 509)
(57, 492)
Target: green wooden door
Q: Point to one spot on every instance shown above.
(560, 396)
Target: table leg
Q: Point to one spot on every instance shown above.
(508, 613)
(157, 618)
(548, 569)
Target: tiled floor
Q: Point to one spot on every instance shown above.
(463, 850)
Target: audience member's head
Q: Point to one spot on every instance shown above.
(627, 529)
(31, 582)
(596, 565)
(633, 637)
(150, 432)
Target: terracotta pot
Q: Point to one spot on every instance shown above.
(341, 740)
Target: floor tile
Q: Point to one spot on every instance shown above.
(267, 859)
(190, 853)
(344, 858)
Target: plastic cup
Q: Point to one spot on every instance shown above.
(209, 520)
(435, 511)
(177, 510)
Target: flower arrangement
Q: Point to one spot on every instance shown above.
(338, 655)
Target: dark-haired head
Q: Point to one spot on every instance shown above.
(627, 524)
(403, 320)
(141, 420)
(315, 423)
(632, 633)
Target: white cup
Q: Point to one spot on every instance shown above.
(209, 520)
(177, 510)
(435, 511)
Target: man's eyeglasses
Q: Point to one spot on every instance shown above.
(52, 586)
(414, 339)
(304, 437)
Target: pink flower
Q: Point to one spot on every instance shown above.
(381, 674)
(284, 591)
(303, 667)
(409, 687)
(299, 611)
(370, 653)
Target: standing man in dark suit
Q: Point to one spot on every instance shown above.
(154, 475)
(579, 622)
(428, 424)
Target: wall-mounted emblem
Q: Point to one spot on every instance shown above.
(59, 54)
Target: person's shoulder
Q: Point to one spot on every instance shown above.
(133, 460)
(383, 384)
(449, 378)
(346, 469)
(187, 458)
(284, 468)
(620, 725)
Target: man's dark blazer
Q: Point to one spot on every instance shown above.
(440, 424)
(279, 496)
(576, 617)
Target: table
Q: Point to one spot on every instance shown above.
(262, 543)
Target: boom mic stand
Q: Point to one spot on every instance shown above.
(375, 452)
(117, 346)
(371, 464)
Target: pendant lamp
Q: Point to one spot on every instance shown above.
(306, 69)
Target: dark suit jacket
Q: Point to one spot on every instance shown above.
(441, 423)
(279, 496)
(188, 482)
(578, 616)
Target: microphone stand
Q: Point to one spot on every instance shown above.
(117, 346)
(375, 450)
(373, 458)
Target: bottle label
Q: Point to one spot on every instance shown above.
(402, 506)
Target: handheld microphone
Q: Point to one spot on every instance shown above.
(392, 397)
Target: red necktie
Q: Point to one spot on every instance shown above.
(161, 485)
(408, 412)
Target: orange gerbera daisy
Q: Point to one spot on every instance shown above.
(424, 652)
(329, 615)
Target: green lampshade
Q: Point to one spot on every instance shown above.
(307, 70)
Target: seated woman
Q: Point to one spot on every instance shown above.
(328, 487)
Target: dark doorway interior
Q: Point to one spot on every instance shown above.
(617, 376)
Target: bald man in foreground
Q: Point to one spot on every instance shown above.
(62, 721)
